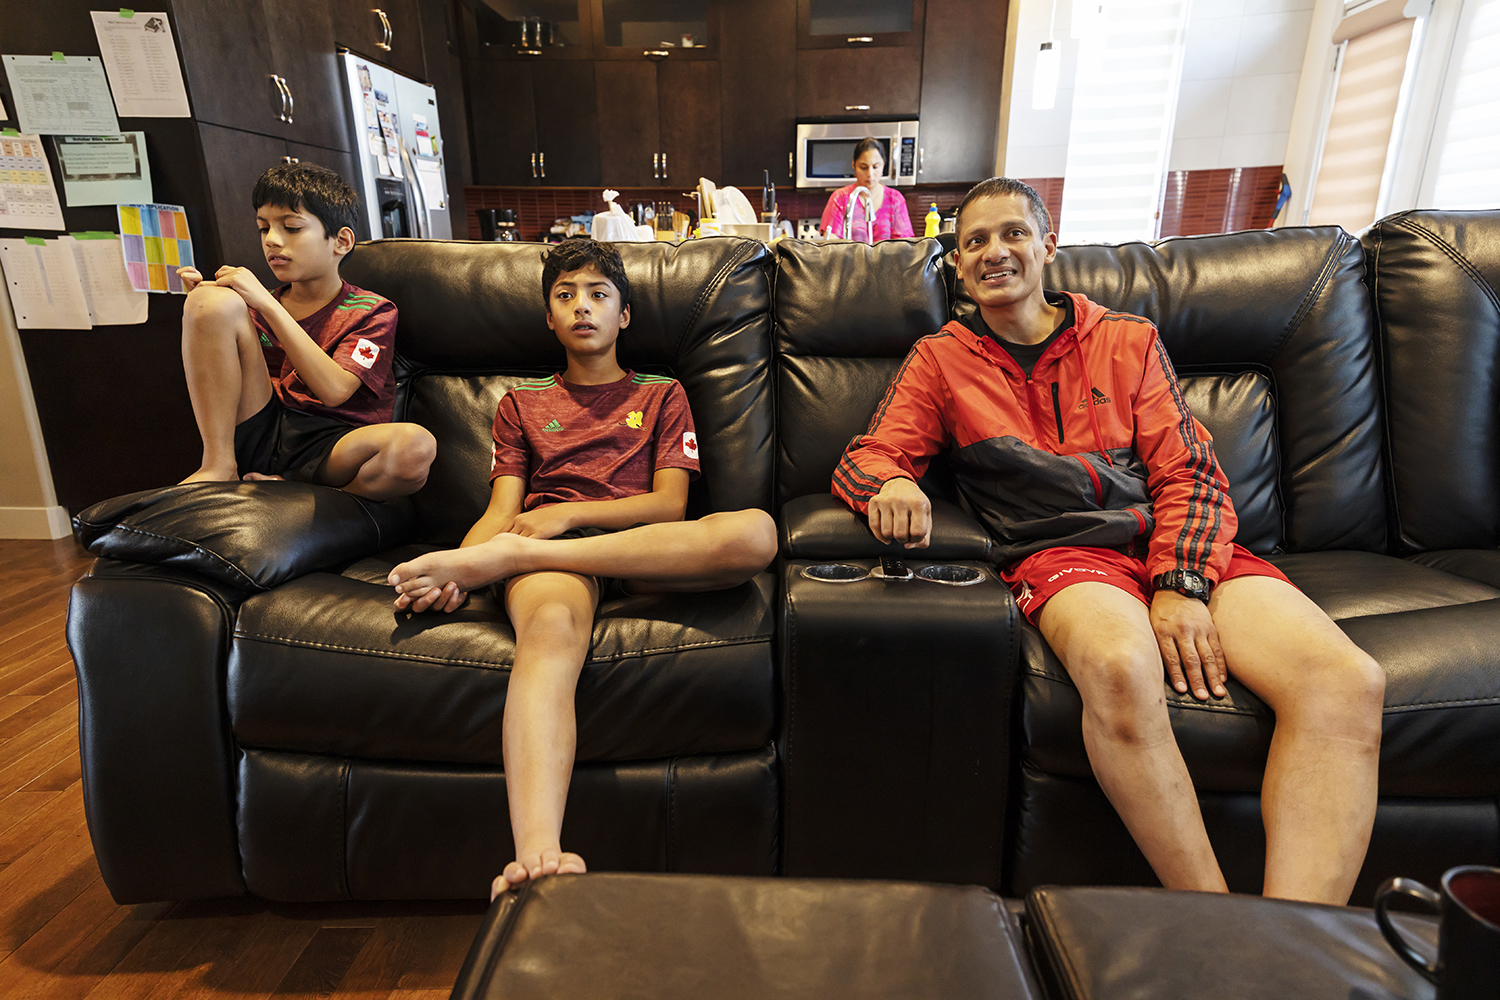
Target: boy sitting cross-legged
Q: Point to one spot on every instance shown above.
(589, 483)
(297, 383)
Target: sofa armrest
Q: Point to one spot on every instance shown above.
(821, 526)
(252, 536)
(151, 644)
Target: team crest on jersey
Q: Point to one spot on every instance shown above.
(365, 353)
(690, 444)
(635, 418)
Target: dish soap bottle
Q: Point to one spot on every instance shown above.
(934, 221)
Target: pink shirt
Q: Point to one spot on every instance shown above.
(891, 219)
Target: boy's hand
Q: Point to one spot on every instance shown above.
(447, 598)
(544, 522)
(244, 281)
(191, 278)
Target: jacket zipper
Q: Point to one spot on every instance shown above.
(1057, 412)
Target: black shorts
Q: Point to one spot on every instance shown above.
(609, 587)
(281, 441)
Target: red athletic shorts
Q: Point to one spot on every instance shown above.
(1035, 579)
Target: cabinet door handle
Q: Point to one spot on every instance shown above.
(657, 53)
(533, 166)
(385, 29)
(664, 166)
(656, 166)
(541, 159)
(291, 102)
(860, 39)
(281, 89)
(791, 170)
(856, 107)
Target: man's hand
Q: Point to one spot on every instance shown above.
(544, 522)
(1189, 643)
(244, 281)
(901, 512)
(191, 278)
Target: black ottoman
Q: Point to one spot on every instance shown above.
(1123, 944)
(688, 937)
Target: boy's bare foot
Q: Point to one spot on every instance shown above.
(469, 568)
(213, 474)
(261, 477)
(534, 865)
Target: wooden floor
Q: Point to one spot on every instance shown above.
(61, 935)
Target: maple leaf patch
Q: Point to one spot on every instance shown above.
(365, 353)
(690, 444)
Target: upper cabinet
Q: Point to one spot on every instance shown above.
(388, 31)
(883, 82)
(655, 29)
(535, 29)
(837, 24)
(961, 90)
(264, 66)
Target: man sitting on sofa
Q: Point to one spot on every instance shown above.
(1071, 441)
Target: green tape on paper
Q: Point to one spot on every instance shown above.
(58, 57)
(95, 234)
(126, 12)
(35, 241)
(10, 131)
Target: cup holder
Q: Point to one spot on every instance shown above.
(953, 576)
(835, 573)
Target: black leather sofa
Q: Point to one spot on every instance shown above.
(255, 717)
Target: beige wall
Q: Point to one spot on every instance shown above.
(28, 505)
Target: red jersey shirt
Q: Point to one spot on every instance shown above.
(592, 442)
(358, 330)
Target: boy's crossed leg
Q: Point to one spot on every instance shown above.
(714, 552)
(226, 374)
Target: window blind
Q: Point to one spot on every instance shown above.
(1467, 143)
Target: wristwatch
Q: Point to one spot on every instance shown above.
(1187, 582)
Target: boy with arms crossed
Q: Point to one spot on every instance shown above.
(590, 481)
(297, 383)
(1072, 442)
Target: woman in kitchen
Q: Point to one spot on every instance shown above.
(873, 211)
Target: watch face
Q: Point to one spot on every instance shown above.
(1194, 584)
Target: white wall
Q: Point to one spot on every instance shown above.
(1242, 65)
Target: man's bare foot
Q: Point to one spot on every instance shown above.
(261, 477)
(535, 865)
(470, 568)
(213, 474)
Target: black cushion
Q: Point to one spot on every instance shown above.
(324, 664)
(252, 536)
(686, 938)
(1112, 944)
(1434, 277)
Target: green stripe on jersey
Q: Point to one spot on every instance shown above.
(533, 385)
(652, 380)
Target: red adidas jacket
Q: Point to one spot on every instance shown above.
(1096, 448)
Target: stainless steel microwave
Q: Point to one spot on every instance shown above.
(825, 153)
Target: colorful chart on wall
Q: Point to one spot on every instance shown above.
(156, 242)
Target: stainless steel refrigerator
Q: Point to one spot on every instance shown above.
(398, 151)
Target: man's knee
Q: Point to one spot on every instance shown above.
(1343, 696)
(1123, 694)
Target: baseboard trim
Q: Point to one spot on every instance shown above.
(35, 522)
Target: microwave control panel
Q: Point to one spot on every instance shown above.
(907, 158)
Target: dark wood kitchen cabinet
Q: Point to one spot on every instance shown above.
(533, 123)
(836, 24)
(388, 31)
(683, 30)
(758, 91)
(962, 71)
(658, 122)
(883, 82)
(265, 66)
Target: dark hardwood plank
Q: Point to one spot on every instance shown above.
(422, 949)
(49, 680)
(13, 724)
(324, 962)
(63, 720)
(18, 806)
(44, 754)
(58, 818)
(270, 946)
(40, 885)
